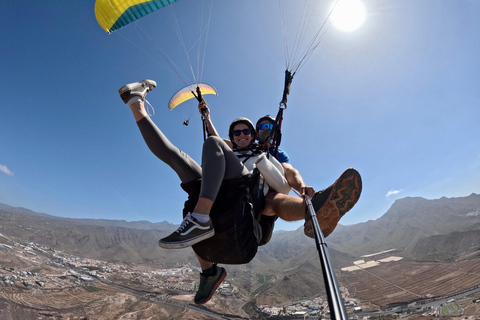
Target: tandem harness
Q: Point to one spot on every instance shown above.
(240, 226)
(236, 216)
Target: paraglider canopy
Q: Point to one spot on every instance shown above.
(114, 14)
(189, 92)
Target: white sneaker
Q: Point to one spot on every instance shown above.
(139, 88)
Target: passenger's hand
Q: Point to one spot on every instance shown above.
(310, 191)
(203, 109)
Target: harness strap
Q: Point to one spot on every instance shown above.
(254, 149)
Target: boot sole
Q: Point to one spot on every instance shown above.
(128, 87)
(343, 196)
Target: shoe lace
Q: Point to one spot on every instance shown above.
(150, 109)
(185, 222)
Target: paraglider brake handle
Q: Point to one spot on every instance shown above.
(286, 88)
(199, 95)
(204, 114)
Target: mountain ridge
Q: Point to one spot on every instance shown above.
(413, 225)
(407, 221)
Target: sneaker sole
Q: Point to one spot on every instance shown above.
(222, 277)
(129, 86)
(186, 243)
(343, 196)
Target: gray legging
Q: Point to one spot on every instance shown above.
(219, 162)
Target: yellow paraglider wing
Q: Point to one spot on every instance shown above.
(188, 93)
(114, 14)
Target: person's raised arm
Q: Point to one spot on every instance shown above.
(295, 180)
(205, 112)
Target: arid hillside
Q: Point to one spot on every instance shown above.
(100, 269)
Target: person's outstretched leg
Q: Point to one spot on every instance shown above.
(187, 169)
(292, 208)
(287, 208)
(330, 204)
(133, 95)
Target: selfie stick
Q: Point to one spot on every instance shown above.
(334, 296)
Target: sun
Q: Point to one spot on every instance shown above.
(348, 15)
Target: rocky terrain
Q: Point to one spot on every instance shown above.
(99, 269)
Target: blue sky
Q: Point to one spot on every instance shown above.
(398, 99)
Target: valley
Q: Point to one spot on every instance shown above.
(420, 258)
(40, 282)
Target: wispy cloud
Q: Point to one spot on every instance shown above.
(5, 170)
(393, 192)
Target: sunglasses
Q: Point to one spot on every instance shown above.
(265, 125)
(239, 132)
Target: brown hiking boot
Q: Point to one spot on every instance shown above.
(332, 203)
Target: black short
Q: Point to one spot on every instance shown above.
(267, 223)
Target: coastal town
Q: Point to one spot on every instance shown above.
(51, 269)
(37, 268)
